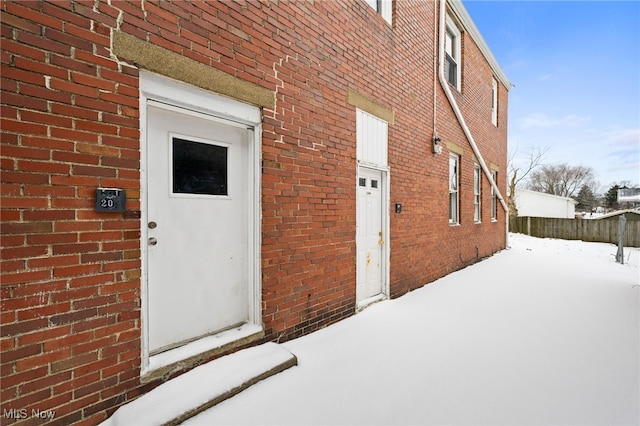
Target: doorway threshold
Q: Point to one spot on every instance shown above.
(370, 301)
(193, 353)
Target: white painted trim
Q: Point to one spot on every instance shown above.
(144, 235)
(169, 94)
(374, 166)
(172, 92)
(382, 166)
(386, 232)
(255, 242)
(386, 235)
(195, 112)
(386, 11)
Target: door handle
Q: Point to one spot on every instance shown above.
(153, 241)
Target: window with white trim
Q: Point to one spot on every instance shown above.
(494, 102)
(383, 7)
(494, 200)
(454, 162)
(477, 194)
(452, 55)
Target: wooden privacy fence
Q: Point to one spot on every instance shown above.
(603, 231)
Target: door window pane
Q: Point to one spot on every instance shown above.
(199, 168)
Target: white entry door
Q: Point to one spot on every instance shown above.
(198, 192)
(370, 235)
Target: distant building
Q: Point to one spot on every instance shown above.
(539, 204)
(629, 195)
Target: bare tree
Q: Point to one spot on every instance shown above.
(518, 174)
(561, 179)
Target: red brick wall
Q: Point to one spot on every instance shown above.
(71, 276)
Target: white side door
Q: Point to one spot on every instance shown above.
(198, 198)
(369, 235)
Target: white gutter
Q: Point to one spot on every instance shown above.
(445, 85)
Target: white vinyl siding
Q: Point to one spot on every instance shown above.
(371, 135)
(454, 211)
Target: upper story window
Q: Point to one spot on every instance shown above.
(452, 49)
(383, 7)
(494, 101)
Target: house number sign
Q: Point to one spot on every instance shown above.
(110, 200)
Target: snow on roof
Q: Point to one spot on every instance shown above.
(618, 213)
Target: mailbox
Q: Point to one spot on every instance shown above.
(110, 200)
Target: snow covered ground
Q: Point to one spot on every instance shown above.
(547, 332)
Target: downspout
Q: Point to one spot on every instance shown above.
(445, 86)
(435, 65)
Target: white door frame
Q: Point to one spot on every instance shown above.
(174, 94)
(385, 218)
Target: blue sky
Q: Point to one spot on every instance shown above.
(576, 70)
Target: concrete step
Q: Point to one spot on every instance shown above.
(203, 387)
